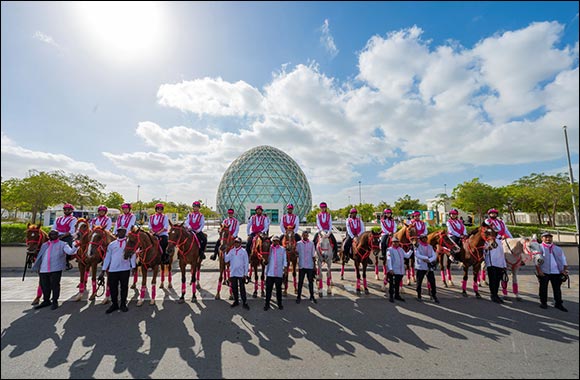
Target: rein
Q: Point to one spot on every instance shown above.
(179, 245)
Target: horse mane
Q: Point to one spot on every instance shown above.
(82, 220)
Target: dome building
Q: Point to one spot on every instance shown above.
(265, 176)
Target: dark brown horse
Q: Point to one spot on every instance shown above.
(477, 242)
(363, 246)
(35, 238)
(444, 247)
(226, 243)
(289, 243)
(407, 236)
(187, 246)
(100, 240)
(148, 251)
(83, 237)
(259, 257)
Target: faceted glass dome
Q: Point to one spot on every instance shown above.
(264, 176)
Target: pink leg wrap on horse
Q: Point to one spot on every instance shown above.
(358, 283)
(376, 269)
(442, 275)
(81, 287)
(198, 274)
(515, 288)
(183, 288)
(153, 292)
(262, 285)
(483, 275)
(169, 275)
(38, 292)
(162, 276)
(504, 288)
(413, 271)
(227, 274)
(464, 285)
(256, 286)
(250, 273)
(342, 270)
(142, 294)
(429, 287)
(94, 283)
(193, 288)
(319, 283)
(219, 287)
(327, 281)
(365, 282)
(401, 283)
(408, 274)
(449, 274)
(475, 287)
(135, 276)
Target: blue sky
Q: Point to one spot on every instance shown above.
(406, 97)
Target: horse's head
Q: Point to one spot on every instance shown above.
(488, 235)
(411, 233)
(100, 239)
(35, 238)
(375, 242)
(134, 241)
(82, 231)
(265, 244)
(177, 235)
(446, 244)
(533, 250)
(289, 241)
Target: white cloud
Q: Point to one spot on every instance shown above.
(46, 39)
(327, 40)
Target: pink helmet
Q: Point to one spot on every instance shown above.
(196, 204)
(259, 207)
(126, 205)
(492, 210)
(159, 205)
(290, 206)
(353, 210)
(323, 204)
(416, 213)
(103, 208)
(68, 205)
(230, 211)
(453, 212)
(387, 210)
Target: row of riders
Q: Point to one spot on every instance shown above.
(402, 251)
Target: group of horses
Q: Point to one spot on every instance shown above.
(93, 243)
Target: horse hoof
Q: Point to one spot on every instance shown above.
(152, 302)
(78, 297)
(170, 286)
(161, 286)
(464, 294)
(319, 294)
(451, 283)
(134, 286)
(231, 298)
(255, 295)
(217, 296)
(193, 299)
(105, 301)
(181, 300)
(329, 292)
(366, 291)
(92, 297)
(140, 303)
(36, 301)
(445, 284)
(342, 277)
(477, 295)
(358, 291)
(198, 286)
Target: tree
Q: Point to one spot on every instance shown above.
(406, 203)
(476, 197)
(114, 200)
(85, 191)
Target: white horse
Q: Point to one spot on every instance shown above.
(518, 252)
(324, 253)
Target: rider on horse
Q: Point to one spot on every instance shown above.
(233, 225)
(159, 225)
(195, 222)
(126, 219)
(354, 227)
(65, 225)
(290, 220)
(102, 219)
(456, 230)
(258, 223)
(420, 226)
(388, 229)
(324, 224)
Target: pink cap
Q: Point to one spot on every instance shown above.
(230, 211)
(159, 205)
(353, 210)
(387, 210)
(196, 204)
(492, 210)
(68, 205)
(126, 205)
(323, 204)
(259, 207)
(416, 213)
(453, 212)
(103, 208)
(290, 206)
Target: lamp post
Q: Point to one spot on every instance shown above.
(359, 195)
(571, 182)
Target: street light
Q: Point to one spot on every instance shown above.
(359, 195)
(571, 181)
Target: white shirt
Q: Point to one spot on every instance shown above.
(261, 221)
(495, 257)
(238, 259)
(355, 222)
(289, 219)
(159, 219)
(424, 252)
(276, 262)
(194, 217)
(306, 254)
(499, 226)
(103, 221)
(554, 259)
(114, 259)
(127, 220)
(455, 227)
(396, 259)
(233, 224)
(324, 217)
(388, 226)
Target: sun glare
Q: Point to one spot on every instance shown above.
(123, 31)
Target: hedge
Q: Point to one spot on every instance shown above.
(16, 233)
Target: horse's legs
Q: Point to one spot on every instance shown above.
(441, 260)
(476, 269)
(319, 275)
(364, 268)
(194, 278)
(135, 277)
(255, 268)
(412, 261)
(294, 265)
(169, 285)
(356, 265)
(162, 276)
(329, 275)
(198, 275)
(504, 285)
(182, 265)
(376, 267)
(464, 281)
(143, 287)
(219, 287)
(82, 282)
(153, 284)
(262, 294)
(515, 283)
(449, 272)
(285, 280)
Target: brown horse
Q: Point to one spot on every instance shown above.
(407, 236)
(259, 257)
(100, 240)
(148, 251)
(362, 247)
(83, 237)
(477, 242)
(443, 246)
(226, 243)
(289, 243)
(35, 238)
(188, 247)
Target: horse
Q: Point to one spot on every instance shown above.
(479, 240)
(289, 243)
(365, 244)
(518, 252)
(35, 238)
(443, 245)
(148, 251)
(259, 256)
(188, 247)
(226, 242)
(83, 236)
(407, 236)
(324, 255)
(100, 240)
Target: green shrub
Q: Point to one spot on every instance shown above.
(15, 233)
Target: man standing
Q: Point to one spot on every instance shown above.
(425, 256)
(238, 259)
(119, 270)
(275, 269)
(324, 224)
(49, 264)
(306, 256)
(257, 224)
(195, 222)
(396, 268)
(553, 268)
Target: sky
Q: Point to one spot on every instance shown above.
(374, 100)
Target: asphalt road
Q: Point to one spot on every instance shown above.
(343, 336)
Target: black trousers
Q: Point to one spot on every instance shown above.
(332, 239)
(163, 242)
(270, 282)
(116, 278)
(309, 273)
(430, 278)
(347, 246)
(50, 283)
(69, 241)
(394, 281)
(202, 240)
(249, 243)
(556, 288)
(384, 241)
(495, 274)
(238, 285)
